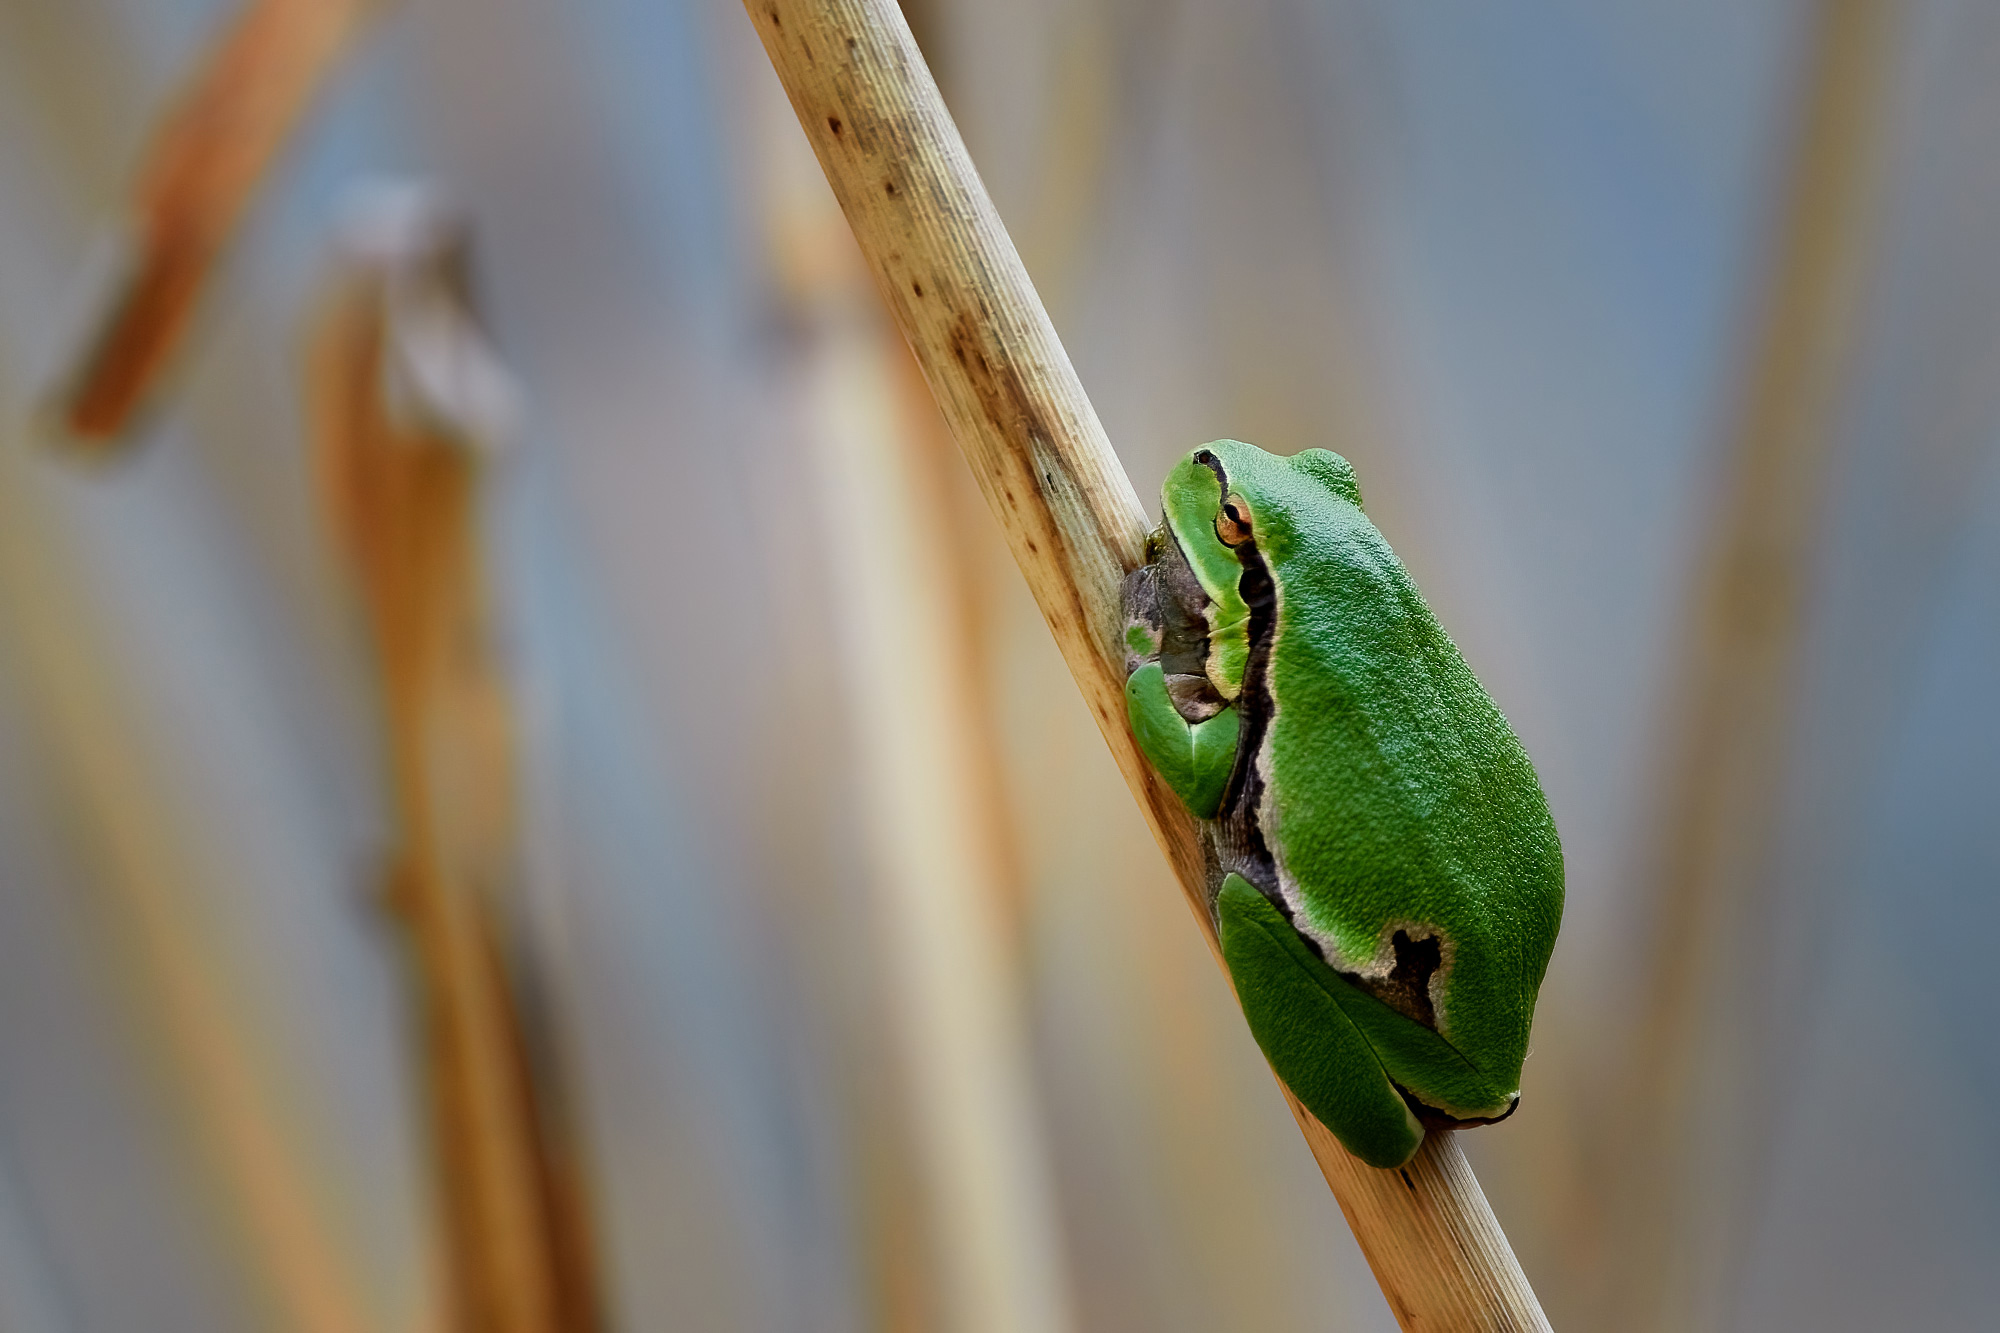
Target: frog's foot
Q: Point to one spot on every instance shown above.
(1196, 758)
(1357, 1064)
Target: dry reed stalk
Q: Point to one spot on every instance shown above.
(207, 157)
(406, 398)
(1725, 771)
(924, 758)
(956, 288)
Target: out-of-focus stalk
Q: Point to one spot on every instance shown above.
(208, 155)
(93, 707)
(408, 402)
(920, 729)
(1687, 1126)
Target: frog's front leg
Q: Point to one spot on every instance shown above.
(1195, 759)
(1185, 731)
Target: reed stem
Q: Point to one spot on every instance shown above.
(956, 288)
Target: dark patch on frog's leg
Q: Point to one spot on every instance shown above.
(1407, 988)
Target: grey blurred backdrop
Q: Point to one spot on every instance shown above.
(1507, 259)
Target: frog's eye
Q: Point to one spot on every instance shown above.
(1232, 525)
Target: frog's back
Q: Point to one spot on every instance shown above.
(1395, 794)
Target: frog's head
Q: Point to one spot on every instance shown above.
(1211, 498)
(1211, 502)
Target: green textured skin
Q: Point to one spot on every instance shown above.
(1394, 797)
(1194, 760)
(1293, 1003)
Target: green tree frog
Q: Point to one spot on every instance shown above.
(1385, 878)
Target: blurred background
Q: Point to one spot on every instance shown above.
(595, 776)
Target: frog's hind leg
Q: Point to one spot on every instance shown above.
(1309, 1039)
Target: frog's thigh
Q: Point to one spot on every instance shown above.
(1313, 1045)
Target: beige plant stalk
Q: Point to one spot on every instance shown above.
(957, 289)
